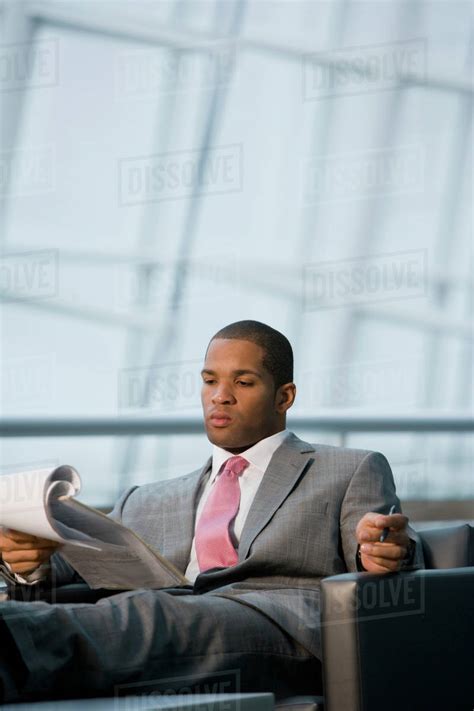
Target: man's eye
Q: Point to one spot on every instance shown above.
(208, 382)
(245, 382)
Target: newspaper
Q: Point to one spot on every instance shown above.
(105, 553)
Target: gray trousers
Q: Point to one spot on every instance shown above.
(148, 642)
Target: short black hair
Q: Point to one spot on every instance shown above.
(278, 353)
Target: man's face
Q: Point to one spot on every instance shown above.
(238, 395)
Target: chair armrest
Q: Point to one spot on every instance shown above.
(397, 641)
(450, 547)
(75, 592)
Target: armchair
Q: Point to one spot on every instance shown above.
(396, 642)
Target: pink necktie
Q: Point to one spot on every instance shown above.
(214, 547)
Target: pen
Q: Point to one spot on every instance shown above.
(385, 531)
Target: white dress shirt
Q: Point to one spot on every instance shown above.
(258, 457)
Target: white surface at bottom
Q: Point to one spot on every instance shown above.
(182, 702)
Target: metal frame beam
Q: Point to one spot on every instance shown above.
(430, 322)
(128, 26)
(193, 424)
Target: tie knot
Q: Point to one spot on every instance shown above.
(235, 466)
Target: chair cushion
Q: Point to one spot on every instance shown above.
(450, 547)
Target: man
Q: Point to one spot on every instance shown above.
(254, 530)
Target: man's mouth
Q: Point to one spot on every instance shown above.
(219, 419)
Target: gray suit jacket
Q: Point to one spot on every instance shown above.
(300, 528)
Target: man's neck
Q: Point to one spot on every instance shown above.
(239, 450)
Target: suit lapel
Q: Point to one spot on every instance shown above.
(285, 468)
(182, 522)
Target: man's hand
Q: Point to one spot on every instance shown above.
(383, 557)
(24, 553)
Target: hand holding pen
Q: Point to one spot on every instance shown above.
(386, 530)
(383, 540)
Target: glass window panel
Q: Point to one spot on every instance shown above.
(433, 466)
(141, 272)
(94, 459)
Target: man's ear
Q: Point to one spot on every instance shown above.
(285, 397)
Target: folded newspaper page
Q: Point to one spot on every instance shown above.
(105, 553)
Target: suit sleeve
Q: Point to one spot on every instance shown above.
(371, 488)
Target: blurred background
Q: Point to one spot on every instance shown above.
(167, 168)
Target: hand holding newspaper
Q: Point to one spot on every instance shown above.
(105, 553)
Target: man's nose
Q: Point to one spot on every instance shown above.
(222, 395)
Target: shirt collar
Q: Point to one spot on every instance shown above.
(258, 455)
